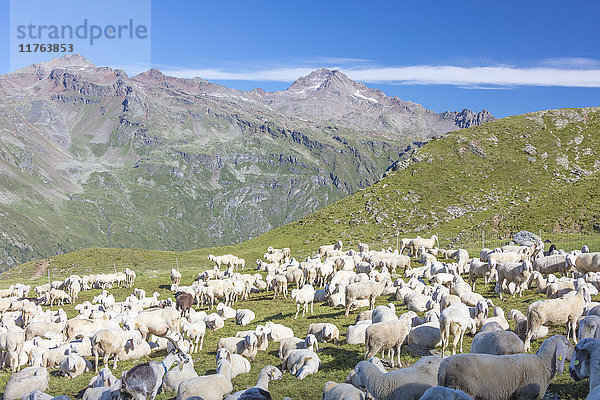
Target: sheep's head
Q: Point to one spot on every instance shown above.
(273, 373)
(579, 367)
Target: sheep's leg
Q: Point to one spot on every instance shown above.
(297, 310)
(311, 307)
(391, 351)
(201, 341)
(398, 349)
(455, 339)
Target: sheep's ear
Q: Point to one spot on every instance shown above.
(559, 357)
(597, 332)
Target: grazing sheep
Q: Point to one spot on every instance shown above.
(455, 320)
(195, 331)
(24, 382)
(585, 364)
(551, 264)
(584, 262)
(341, 391)
(325, 332)
(479, 269)
(293, 343)
(401, 384)
(260, 391)
(430, 243)
(108, 342)
(280, 284)
(497, 343)
(11, 346)
(208, 387)
(512, 272)
(567, 310)
(387, 336)
(521, 326)
(304, 297)
(301, 363)
(363, 290)
(516, 376)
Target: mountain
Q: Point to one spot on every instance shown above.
(92, 157)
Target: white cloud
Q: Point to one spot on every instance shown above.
(564, 72)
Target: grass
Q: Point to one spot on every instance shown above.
(153, 269)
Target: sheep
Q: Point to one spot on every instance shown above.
(301, 363)
(175, 376)
(362, 290)
(388, 335)
(325, 332)
(11, 345)
(517, 273)
(497, 343)
(430, 243)
(280, 286)
(325, 248)
(226, 312)
(521, 326)
(479, 269)
(107, 342)
(516, 376)
(497, 317)
(260, 391)
(246, 346)
(145, 379)
(157, 322)
(426, 335)
(589, 327)
(289, 344)
(79, 327)
(341, 391)
(24, 382)
(133, 351)
(584, 364)
(208, 387)
(244, 317)
(183, 302)
(584, 262)
(104, 378)
(408, 383)
(304, 297)
(43, 329)
(239, 365)
(444, 393)
(356, 333)
(195, 331)
(384, 313)
(277, 332)
(567, 310)
(60, 296)
(103, 393)
(73, 365)
(455, 320)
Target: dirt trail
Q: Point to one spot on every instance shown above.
(42, 266)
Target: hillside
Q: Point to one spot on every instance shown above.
(92, 157)
(533, 171)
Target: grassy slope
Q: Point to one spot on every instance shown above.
(491, 191)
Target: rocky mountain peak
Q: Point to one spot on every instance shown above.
(467, 118)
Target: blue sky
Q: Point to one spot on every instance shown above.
(510, 57)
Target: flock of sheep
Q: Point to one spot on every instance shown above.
(441, 306)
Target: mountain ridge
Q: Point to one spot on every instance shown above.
(90, 156)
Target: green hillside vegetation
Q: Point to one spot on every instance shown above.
(536, 171)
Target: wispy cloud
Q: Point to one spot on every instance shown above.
(563, 72)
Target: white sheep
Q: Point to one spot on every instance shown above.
(516, 376)
(497, 343)
(225, 311)
(406, 383)
(277, 332)
(24, 382)
(108, 342)
(261, 389)
(239, 365)
(11, 345)
(175, 376)
(293, 343)
(455, 320)
(73, 365)
(208, 387)
(195, 331)
(363, 290)
(521, 326)
(444, 393)
(565, 310)
(325, 332)
(246, 346)
(384, 313)
(301, 363)
(388, 335)
(589, 327)
(585, 363)
(356, 333)
(584, 262)
(304, 297)
(341, 391)
(244, 317)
